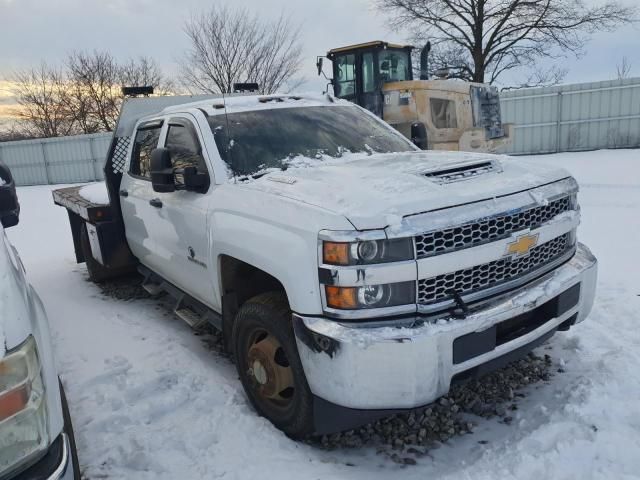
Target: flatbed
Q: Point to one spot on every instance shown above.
(71, 199)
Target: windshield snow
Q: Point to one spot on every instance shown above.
(262, 140)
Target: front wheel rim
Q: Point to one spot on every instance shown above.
(269, 371)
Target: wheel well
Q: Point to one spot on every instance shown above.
(240, 281)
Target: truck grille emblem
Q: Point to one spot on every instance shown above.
(522, 245)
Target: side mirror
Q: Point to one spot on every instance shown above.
(162, 178)
(419, 135)
(9, 205)
(319, 65)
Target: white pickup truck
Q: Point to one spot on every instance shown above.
(36, 436)
(352, 274)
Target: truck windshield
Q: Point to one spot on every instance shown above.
(263, 139)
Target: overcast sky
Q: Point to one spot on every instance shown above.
(36, 30)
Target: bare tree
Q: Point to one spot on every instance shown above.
(96, 80)
(485, 38)
(623, 69)
(84, 97)
(96, 76)
(43, 101)
(144, 71)
(229, 46)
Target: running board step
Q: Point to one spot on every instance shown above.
(194, 320)
(193, 312)
(153, 289)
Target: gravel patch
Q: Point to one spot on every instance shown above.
(406, 437)
(128, 287)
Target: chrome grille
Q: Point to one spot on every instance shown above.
(441, 287)
(487, 230)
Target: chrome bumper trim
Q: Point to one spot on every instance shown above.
(61, 470)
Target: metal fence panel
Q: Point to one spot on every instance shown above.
(585, 116)
(75, 159)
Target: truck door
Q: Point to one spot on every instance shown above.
(136, 193)
(369, 91)
(345, 77)
(355, 80)
(183, 236)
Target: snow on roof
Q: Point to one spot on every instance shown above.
(257, 102)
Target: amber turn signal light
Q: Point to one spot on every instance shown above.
(344, 298)
(335, 253)
(13, 402)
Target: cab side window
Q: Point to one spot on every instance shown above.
(185, 150)
(145, 141)
(346, 81)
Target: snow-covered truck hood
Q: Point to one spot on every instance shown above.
(376, 191)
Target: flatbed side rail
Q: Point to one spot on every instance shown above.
(71, 199)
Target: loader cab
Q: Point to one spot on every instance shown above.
(360, 71)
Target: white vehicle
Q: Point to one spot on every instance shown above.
(36, 437)
(352, 274)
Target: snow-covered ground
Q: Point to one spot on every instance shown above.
(150, 400)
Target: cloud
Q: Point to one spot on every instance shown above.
(37, 30)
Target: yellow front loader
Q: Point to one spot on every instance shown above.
(439, 114)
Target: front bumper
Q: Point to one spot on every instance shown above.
(410, 364)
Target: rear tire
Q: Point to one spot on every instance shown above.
(267, 360)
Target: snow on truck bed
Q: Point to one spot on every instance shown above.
(150, 401)
(95, 193)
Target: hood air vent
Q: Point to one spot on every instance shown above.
(462, 172)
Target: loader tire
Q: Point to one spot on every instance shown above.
(267, 360)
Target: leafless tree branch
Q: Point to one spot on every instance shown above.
(623, 69)
(482, 39)
(229, 46)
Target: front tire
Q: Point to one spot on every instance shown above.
(268, 364)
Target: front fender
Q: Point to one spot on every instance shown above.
(284, 246)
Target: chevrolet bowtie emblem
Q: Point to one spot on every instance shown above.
(522, 245)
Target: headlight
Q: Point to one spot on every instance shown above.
(367, 252)
(371, 296)
(23, 412)
(573, 202)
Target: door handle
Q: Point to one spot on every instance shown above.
(124, 193)
(155, 202)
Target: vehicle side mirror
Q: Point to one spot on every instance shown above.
(319, 65)
(419, 135)
(9, 205)
(162, 178)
